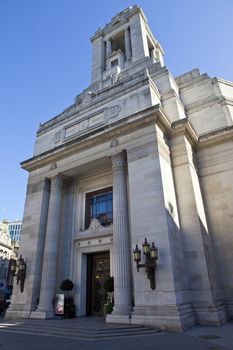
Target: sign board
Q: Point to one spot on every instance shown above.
(59, 304)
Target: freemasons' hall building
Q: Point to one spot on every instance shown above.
(140, 154)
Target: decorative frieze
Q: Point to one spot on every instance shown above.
(57, 137)
(84, 125)
(141, 152)
(216, 138)
(139, 120)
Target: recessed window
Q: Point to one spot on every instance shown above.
(118, 42)
(114, 63)
(99, 206)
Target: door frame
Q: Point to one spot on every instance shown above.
(90, 276)
(80, 271)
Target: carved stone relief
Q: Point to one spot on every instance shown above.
(115, 110)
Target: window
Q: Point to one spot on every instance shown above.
(99, 206)
(118, 42)
(114, 63)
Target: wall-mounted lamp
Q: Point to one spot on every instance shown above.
(151, 255)
(18, 270)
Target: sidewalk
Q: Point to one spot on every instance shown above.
(221, 336)
(92, 333)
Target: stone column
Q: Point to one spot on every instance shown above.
(40, 244)
(127, 45)
(48, 279)
(121, 244)
(153, 54)
(108, 48)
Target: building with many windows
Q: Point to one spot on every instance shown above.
(14, 229)
(7, 253)
(140, 154)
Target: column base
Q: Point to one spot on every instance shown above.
(42, 315)
(15, 315)
(209, 314)
(116, 318)
(176, 318)
(18, 311)
(122, 310)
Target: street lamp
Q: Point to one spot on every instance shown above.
(151, 255)
(18, 270)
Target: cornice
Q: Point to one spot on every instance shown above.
(223, 81)
(193, 82)
(183, 127)
(217, 137)
(117, 21)
(121, 127)
(227, 101)
(203, 104)
(149, 116)
(121, 88)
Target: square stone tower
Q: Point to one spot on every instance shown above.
(123, 43)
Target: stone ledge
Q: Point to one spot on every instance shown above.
(41, 315)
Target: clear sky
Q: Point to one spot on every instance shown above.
(45, 61)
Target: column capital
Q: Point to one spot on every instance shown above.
(56, 182)
(118, 161)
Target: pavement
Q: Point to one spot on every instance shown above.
(92, 333)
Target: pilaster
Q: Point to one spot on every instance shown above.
(153, 214)
(32, 248)
(128, 53)
(108, 48)
(200, 274)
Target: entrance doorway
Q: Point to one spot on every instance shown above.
(98, 270)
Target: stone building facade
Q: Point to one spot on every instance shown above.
(139, 154)
(14, 229)
(7, 253)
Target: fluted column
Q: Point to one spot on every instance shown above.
(48, 279)
(127, 45)
(121, 242)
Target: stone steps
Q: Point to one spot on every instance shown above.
(75, 332)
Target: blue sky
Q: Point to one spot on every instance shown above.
(45, 61)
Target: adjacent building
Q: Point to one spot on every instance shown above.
(7, 253)
(14, 229)
(140, 154)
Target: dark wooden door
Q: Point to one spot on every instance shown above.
(98, 270)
